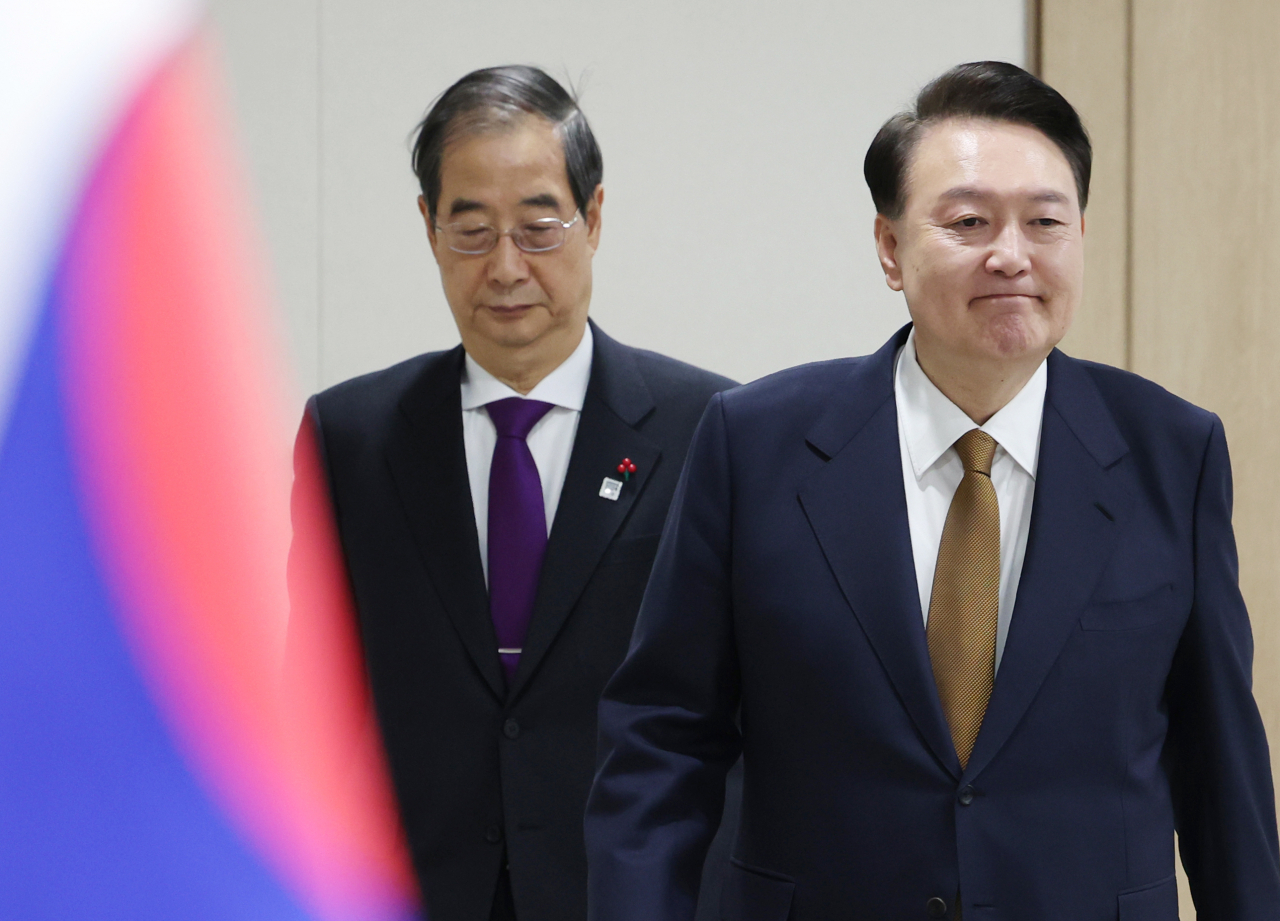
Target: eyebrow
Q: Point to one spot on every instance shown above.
(465, 205)
(966, 193)
(545, 200)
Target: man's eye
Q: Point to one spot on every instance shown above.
(537, 230)
(472, 231)
(1046, 221)
(969, 222)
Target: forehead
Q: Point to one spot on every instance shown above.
(500, 167)
(993, 158)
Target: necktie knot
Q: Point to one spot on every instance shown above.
(514, 416)
(976, 449)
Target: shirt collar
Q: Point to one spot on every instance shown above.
(931, 423)
(565, 386)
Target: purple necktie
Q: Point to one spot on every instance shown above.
(517, 526)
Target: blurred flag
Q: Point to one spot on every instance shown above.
(154, 763)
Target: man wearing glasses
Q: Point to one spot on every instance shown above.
(500, 505)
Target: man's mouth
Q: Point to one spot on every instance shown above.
(1006, 297)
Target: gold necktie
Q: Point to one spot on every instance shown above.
(965, 604)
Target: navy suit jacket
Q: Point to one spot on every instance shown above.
(483, 770)
(785, 586)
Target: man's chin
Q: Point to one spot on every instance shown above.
(1013, 337)
(511, 330)
(532, 331)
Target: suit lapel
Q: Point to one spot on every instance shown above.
(429, 465)
(857, 508)
(1079, 508)
(617, 400)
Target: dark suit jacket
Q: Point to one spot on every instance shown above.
(481, 769)
(785, 584)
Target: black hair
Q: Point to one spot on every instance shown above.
(496, 97)
(991, 90)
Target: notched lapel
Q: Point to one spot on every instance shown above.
(1080, 506)
(857, 507)
(617, 400)
(429, 465)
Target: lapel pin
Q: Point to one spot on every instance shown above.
(611, 489)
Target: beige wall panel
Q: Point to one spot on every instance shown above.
(1084, 55)
(1206, 258)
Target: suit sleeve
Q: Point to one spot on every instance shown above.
(1216, 751)
(309, 512)
(667, 729)
(319, 590)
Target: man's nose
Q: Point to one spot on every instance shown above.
(508, 266)
(1009, 255)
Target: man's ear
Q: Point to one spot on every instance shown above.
(887, 249)
(431, 225)
(592, 217)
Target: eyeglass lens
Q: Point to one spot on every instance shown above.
(531, 236)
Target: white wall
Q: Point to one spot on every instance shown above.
(737, 227)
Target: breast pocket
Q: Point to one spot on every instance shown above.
(1132, 613)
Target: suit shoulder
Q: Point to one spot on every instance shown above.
(1139, 403)
(797, 391)
(671, 378)
(373, 395)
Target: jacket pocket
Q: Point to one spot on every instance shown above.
(1130, 613)
(1153, 902)
(752, 894)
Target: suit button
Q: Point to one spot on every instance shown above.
(966, 796)
(493, 834)
(935, 908)
(511, 729)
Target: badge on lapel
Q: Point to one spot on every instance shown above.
(611, 489)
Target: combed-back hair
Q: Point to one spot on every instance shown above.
(498, 97)
(991, 90)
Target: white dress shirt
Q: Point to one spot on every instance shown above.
(550, 440)
(928, 426)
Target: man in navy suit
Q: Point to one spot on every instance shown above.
(975, 601)
(499, 507)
